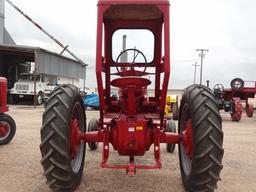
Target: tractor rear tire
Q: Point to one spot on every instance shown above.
(171, 127)
(175, 111)
(249, 110)
(7, 121)
(93, 126)
(236, 113)
(201, 153)
(63, 168)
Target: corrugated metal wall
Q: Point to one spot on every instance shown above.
(53, 64)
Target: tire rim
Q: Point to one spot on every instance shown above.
(5, 130)
(76, 145)
(186, 145)
(237, 84)
(39, 99)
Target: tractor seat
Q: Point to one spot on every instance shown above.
(124, 82)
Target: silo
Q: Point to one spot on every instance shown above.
(1, 21)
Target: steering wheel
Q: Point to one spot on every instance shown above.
(136, 52)
(218, 90)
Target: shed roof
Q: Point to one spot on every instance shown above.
(46, 62)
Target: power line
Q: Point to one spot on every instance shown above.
(202, 56)
(184, 61)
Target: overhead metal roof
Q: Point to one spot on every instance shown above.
(46, 62)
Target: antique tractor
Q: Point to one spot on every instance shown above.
(7, 124)
(230, 100)
(172, 107)
(132, 123)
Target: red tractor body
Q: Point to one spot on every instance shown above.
(132, 122)
(244, 93)
(3, 95)
(7, 124)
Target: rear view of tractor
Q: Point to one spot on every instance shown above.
(7, 124)
(132, 123)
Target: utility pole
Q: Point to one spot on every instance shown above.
(202, 55)
(195, 65)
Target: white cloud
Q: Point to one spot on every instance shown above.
(224, 27)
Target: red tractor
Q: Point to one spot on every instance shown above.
(132, 123)
(7, 124)
(231, 99)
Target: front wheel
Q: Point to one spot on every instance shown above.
(93, 126)
(7, 128)
(236, 112)
(40, 98)
(62, 151)
(175, 110)
(249, 110)
(200, 151)
(171, 127)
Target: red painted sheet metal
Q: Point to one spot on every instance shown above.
(3, 95)
(243, 93)
(111, 2)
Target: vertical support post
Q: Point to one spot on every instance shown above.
(131, 101)
(195, 65)
(35, 97)
(202, 55)
(84, 77)
(2, 7)
(1, 33)
(157, 145)
(105, 151)
(131, 170)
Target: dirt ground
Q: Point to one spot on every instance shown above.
(20, 168)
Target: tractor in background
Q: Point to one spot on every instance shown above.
(132, 123)
(230, 100)
(172, 107)
(171, 113)
(7, 124)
